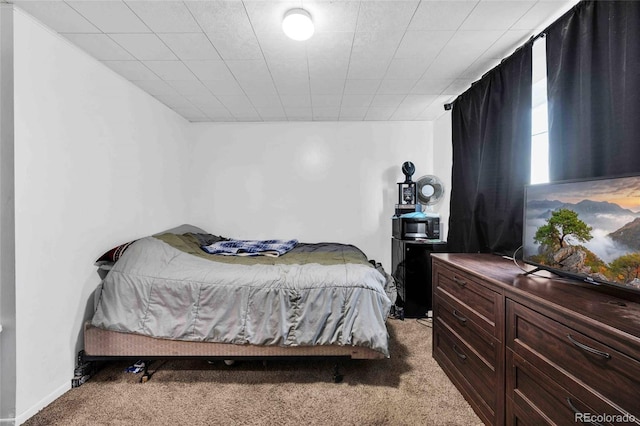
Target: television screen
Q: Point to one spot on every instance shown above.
(587, 229)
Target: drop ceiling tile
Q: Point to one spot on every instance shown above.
(155, 87)
(335, 68)
(366, 69)
(236, 103)
(542, 14)
(326, 101)
(407, 69)
(236, 44)
(379, 113)
(266, 16)
(333, 16)
(292, 86)
(100, 46)
(271, 113)
(330, 45)
(58, 15)
(458, 87)
(265, 101)
(507, 44)
(277, 46)
(191, 114)
(210, 70)
(396, 87)
(416, 103)
(257, 87)
(110, 16)
(224, 88)
(170, 70)
(174, 101)
(289, 69)
(190, 46)
(430, 86)
(132, 70)
(220, 16)
(352, 113)
(296, 101)
(387, 101)
(299, 114)
(204, 100)
(145, 47)
(385, 15)
(188, 87)
(165, 16)
(379, 44)
(496, 15)
(326, 86)
(477, 69)
(326, 113)
(247, 115)
(422, 44)
(356, 101)
(361, 86)
(217, 113)
(441, 15)
(250, 70)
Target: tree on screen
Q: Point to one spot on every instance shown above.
(562, 224)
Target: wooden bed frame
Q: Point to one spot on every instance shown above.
(105, 345)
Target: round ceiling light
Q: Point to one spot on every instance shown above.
(297, 24)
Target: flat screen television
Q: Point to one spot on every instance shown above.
(586, 229)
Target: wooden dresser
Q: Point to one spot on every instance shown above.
(534, 350)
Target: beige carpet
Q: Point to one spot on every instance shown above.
(408, 389)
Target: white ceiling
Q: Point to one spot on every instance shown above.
(368, 60)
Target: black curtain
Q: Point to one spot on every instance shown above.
(593, 78)
(491, 132)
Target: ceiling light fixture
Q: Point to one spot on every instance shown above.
(297, 24)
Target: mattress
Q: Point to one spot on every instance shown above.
(322, 296)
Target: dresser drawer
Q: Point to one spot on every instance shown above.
(551, 347)
(474, 378)
(461, 320)
(541, 397)
(480, 301)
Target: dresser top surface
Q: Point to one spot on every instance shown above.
(621, 312)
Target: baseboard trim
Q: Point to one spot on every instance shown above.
(26, 415)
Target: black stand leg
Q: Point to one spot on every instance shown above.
(337, 377)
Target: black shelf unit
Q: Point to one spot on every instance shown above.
(411, 269)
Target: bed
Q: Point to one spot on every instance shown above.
(164, 296)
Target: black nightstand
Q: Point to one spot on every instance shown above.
(411, 268)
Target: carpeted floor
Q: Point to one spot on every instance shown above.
(408, 389)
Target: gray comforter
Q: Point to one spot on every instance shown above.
(317, 294)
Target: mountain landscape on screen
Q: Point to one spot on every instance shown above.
(588, 228)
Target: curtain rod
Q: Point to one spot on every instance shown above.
(449, 106)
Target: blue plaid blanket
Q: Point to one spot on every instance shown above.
(273, 248)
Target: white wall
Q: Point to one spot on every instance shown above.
(314, 181)
(97, 162)
(442, 163)
(7, 222)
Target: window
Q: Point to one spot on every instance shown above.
(539, 117)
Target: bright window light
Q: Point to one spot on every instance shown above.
(539, 116)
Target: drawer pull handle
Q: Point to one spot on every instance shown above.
(459, 317)
(588, 348)
(459, 353)
(576, 411)
(460, 282)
